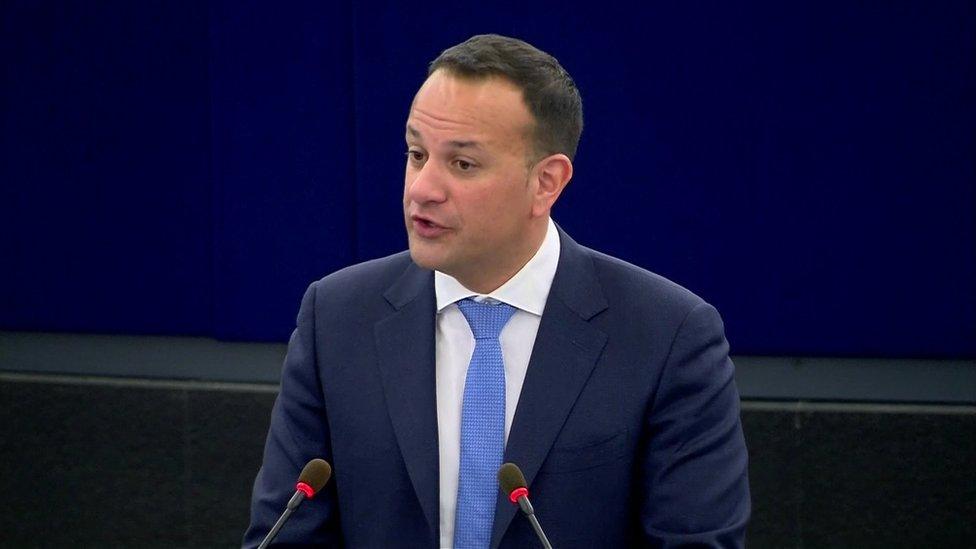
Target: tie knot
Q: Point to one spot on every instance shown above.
(485, 319)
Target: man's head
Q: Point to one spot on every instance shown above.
(490, 137)
(547, 89)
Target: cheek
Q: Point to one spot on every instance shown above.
(497, 213)
(512, 201)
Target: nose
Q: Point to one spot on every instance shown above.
(425, 184)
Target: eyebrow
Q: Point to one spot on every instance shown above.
(454, 144)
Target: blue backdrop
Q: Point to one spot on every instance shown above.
(189, 167)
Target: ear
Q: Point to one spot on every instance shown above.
(552, 173)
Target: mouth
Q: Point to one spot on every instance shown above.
(426, 227)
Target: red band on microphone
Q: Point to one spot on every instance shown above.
(517, 493)
(305, 489)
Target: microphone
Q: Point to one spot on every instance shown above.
(314, 477)
(512, 482)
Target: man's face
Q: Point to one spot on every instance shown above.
(468, 194)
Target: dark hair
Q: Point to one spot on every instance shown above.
(547, 89)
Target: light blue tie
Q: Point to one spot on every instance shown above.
(482, 425)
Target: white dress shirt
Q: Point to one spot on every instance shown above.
(527, 291)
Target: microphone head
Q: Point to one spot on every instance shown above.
(510, 478)
(315, 475)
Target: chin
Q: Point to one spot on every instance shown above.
(424, 258)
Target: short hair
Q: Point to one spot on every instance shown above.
(547, 89)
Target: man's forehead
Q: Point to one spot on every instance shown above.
(466, 112)
(417, 134)
(447, 76)
(443, 91)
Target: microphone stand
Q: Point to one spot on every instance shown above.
(526, 506)
(293, 504)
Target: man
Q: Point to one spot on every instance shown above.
(498, 338)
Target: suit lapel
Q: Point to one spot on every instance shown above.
(405, 350)
(566, 349)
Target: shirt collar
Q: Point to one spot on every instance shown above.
(527, 290)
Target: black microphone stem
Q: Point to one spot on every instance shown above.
(526, 507)
(293, 504)
(538, 531)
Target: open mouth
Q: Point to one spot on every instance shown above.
(426, 223)
(427, 228)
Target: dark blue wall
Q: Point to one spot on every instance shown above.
(188, 167)
(107, 196)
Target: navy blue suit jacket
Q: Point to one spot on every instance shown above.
(627, 427)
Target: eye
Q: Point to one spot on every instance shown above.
(464, 165)
(416, 156)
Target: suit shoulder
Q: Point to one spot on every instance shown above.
(369, 277)
(626, 282)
